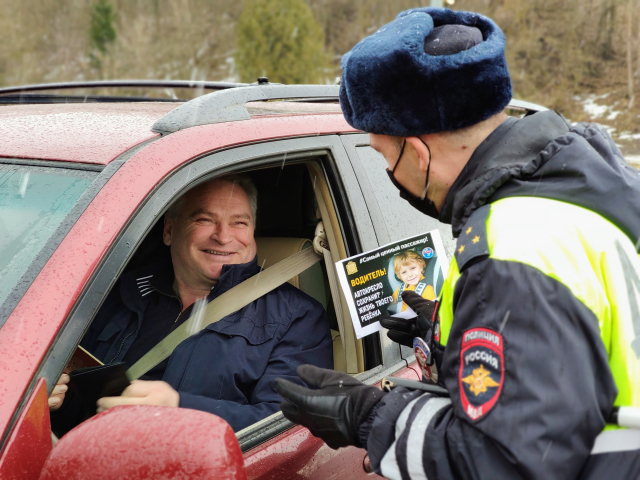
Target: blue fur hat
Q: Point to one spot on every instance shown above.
(391, 86)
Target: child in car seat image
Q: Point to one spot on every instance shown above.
(409, 268)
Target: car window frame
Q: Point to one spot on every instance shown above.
(223, 162)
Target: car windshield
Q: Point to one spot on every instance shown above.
(33, 202)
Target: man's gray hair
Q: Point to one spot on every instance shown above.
(243, 181)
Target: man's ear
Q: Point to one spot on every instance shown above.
(422, 152)
(167, 230)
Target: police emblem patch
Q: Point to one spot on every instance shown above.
(481, 371)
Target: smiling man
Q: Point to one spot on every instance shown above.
(228, 368)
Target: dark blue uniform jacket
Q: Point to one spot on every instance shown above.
(227, 369)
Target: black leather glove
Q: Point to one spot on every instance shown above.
(333, 411)
(402, 330)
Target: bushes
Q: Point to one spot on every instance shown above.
(280, 39)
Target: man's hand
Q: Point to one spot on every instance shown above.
(142, 392)
(334, 409)
(57, 395)
(402, 330)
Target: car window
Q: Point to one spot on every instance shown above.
(33, 202)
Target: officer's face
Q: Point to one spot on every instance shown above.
(408, 172)
(213, 228)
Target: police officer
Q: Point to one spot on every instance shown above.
(536, 335)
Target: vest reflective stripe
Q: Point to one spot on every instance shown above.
(445, 310)
(617, 441)
(585, 252)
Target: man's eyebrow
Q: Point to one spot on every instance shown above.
(201, 211)
(241, 215)
(204, 211)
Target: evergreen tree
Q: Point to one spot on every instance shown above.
(102, 33)
(280, 39)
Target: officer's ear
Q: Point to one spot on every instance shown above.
(421, 154)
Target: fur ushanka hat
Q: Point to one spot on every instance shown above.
(391, 86)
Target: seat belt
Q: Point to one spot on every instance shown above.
(321, 245)
(229, 302)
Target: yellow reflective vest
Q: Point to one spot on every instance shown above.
(578, 248)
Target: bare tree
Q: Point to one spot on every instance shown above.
(629, 55)
(606, 28)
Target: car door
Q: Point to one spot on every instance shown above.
(126, 241)
(108, 231)
(264, 442)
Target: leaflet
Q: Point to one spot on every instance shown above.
(373, 282)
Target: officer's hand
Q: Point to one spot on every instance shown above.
(402, 330)
(334, 409)
(57, 395)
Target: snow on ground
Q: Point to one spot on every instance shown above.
(629, 143)
(593, 106)
(594, 109)
(633, 160)
(629, 136)
(612, 115)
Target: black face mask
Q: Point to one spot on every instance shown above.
(422, 204)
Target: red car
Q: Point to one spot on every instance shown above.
(84, 182)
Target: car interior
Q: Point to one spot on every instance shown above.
(292, 200)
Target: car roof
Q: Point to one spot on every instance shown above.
(97, 133)
(88, 131)
(94, 133)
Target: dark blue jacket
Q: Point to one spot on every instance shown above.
(227, 369)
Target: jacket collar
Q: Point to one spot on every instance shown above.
(233, 275)
(514, 144)
(469, 170)
(139, 286)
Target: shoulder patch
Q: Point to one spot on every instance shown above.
(481, 373)
(472, 242)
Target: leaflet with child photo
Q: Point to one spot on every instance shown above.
(373, 281)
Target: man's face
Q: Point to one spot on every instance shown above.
(214, 227)
(410, 273)
(407, 173)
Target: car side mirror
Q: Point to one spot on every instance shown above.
(140, 442)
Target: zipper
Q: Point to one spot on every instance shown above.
(121, 345)
(133, 331)
(171, 296)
